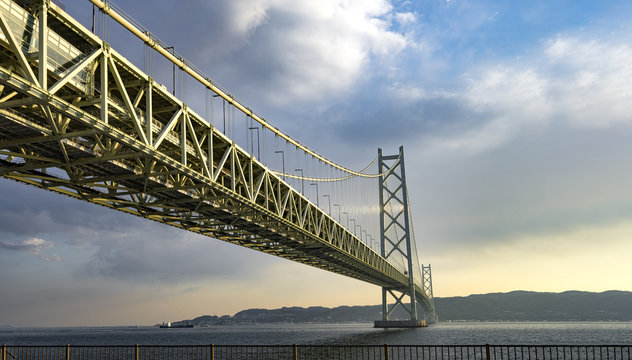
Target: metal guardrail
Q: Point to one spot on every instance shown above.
(330, 352)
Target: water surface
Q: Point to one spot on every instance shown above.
(509, 333)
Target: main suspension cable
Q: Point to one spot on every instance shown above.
(341, 178)
(135, 28)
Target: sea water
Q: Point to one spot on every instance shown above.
(475, 333)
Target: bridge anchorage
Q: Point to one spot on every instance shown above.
(80, 119)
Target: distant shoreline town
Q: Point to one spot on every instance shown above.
(511, 306)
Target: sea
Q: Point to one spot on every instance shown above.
(442, 333)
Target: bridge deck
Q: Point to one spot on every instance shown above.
(93, 126)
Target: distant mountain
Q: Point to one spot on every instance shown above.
(512, 306)
(536, 306)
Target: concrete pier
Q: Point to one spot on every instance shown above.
(387, 324)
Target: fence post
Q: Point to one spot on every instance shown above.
(212, 349)
(385, 352)
(137, 352)
(295, 352)
(489, 354)
(4, 352)
(67, 351)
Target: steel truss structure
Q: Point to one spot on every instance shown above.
(426, 282)
(79, 119)
(396, 240)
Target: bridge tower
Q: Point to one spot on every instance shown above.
(427, 289)
(397, 244)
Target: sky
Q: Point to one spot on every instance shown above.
(515, 118)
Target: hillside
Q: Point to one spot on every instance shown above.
(512, 306)
(535, 306)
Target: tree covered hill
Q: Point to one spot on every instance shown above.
(536, 306)
(512, 306)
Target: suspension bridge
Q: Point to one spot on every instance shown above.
(80, 119)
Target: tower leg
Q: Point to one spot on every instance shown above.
(384, 305)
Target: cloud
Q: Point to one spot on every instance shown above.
(551, 180)
(246, 16)
(113, 244)
(580, 82)
(275, 54)
(280, 51)
(405, 18)
(165, 255)
(593, 88)
(536, 147)
(48, 212)
(35, 246)
(507, 100)
(312, 50)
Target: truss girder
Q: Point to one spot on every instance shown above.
(106, 133)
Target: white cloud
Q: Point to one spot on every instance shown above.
(405, 18)
(310, 50)
(248, 15)
(412, 93)
(34, 246)
(506, 100)
(407, 92)
(585, 83)
(331, 44)
(558, 49)
(509, 92)
(593, 87)
(490, 135)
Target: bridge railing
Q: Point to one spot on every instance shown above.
(334, 352)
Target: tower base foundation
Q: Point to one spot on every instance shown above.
(387, 324)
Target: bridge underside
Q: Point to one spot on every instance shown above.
(130, 182)
(92, 126)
